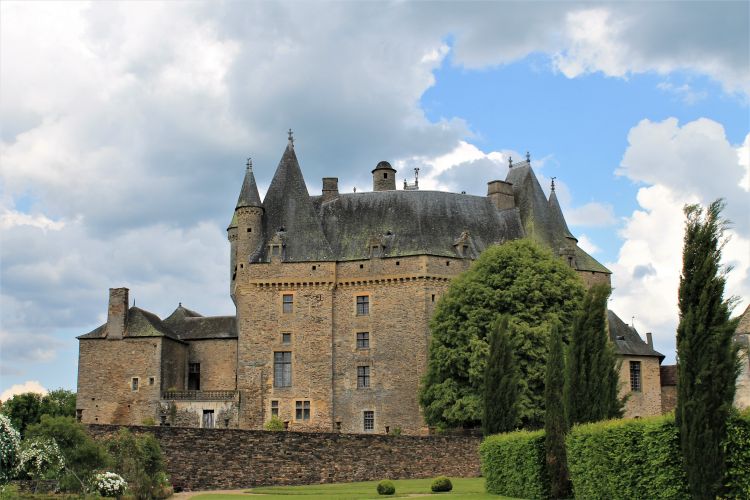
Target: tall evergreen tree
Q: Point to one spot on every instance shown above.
(501, 379)
(708, 366)
(555, 422)
(591, 391)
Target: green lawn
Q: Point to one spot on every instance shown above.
(470, 488)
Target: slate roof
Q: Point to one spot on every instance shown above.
(413, 223)
(289, 212)
(626, 339)
(249, 196)
(183, 324)
(744, 325)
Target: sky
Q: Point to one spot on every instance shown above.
(125, 128)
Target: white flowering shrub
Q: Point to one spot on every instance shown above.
(10, 447)
(41, 458)
(109, 484)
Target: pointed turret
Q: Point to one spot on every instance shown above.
(291, 223)
(249, 196)
(531, 202)
(558, 225)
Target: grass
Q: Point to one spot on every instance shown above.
(469, 488)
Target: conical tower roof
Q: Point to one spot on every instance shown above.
(249, 196)
(557, 220)
(289, 212)
(531, 202)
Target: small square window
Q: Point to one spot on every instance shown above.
(363, 305)
(447, 263)
(433, 297)
(287, 303)
(151, 380)
(286, 338)
(302, 410)
(361, 266)
(274, 408)
(134, 384)
(363, 340)
(363, 377)
(369, 420)
(208, 419)
(398, 263)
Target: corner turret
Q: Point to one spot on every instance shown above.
(384, 177)
(244, 232)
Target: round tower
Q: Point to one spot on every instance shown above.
(244, 232)
(384, 177)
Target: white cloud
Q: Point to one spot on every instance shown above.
(592, 214)
(587, 245)
(28, 386)
(684, 92)
(689, 164)
(12, 218)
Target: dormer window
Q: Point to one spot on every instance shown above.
(276, 247)
(377, 247)
(461, 245)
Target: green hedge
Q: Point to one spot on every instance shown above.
(623, 459)
(513, 464)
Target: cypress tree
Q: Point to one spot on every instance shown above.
(501, 378)
(708, 366)
(555, 423)
(591, 391)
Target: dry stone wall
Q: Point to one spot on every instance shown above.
(205, 459)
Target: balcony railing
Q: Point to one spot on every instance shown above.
(199, 395)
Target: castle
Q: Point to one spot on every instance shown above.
(333, 295)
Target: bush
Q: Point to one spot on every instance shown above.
(83, 456)
(386, 487)
(514, 464)
(621, 459)
(441, 483)
(10, 449)
(275, 424)
(109, 484)
(41, 459)
(140, 462)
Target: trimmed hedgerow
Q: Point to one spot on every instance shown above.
(623, 459)
(514, 464)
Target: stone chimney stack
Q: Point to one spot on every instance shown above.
(330, 188)
(117, 313)
(501, 194)
(650, 340)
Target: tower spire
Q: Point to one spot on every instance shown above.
(553, 183)
(291, 138)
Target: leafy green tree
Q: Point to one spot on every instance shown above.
(555, 422)
(10, 449)
(82, 455)
(708, 366)
(520, 279)
(139, 460)
(27, 408)
(592, 380)
(500, 383)
(23, 410)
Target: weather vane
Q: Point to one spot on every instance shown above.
(291, 138)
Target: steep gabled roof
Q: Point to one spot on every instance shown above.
(557, 221)
(626, 339)
(249, 196)
(204, 328)
(532, 203)
(179, 314)
(290, 212)
(140, 323)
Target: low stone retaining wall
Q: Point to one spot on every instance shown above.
(204, 459)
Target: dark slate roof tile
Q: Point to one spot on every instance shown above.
(626, 339)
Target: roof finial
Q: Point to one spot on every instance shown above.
(179, 304)
(528, 157)
(510, 161)
(291, 138)
(553, 183)
(249, 163)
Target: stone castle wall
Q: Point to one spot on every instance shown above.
(204, 459)
(647, 401)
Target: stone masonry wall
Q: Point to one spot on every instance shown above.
(218, 360)
(647, 401)
(205, 459)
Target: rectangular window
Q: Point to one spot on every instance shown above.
(363, 377)
(286, 338)
(194, 377)
(635, 376)
(287, 301)
(363, 305)
(363, 340)
(151, 380)
(274, 408)
(134, 384)
(208, 419)
(282, 369)
(302, 410)
(369, 420)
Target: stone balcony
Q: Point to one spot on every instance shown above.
(199, 395)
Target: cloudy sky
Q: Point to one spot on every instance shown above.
(125, 129)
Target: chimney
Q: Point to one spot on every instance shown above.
(117, 314)
(650, 340)
(501, 194)
(330, 188)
